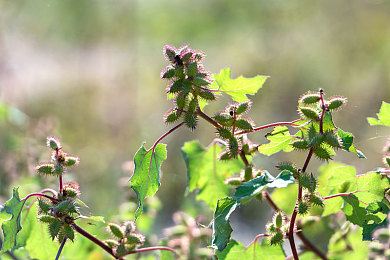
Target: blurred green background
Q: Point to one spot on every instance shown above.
(88, 72)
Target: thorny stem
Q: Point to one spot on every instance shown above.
(61, 247)
(146, 249)
(93, 239)
(293, 123)
(207, 118)
(295, 212)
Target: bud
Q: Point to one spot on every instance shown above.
(289, 166)
(192, 105)
(276, 238)
(243, 124)
(168, 73)
(316, 141)
(111, 243)
(135, 238)
(71, 160)
(169, 53)
(207, 95)
(316, 200)
(224, 156)
(322, 154)
(116, 230)
(332, 140)
(175, 86)
(234, 147)
(248, 173)
(336, 103)
(233, 181)
(192, 68)
(278, 219)
(243, 107)
(303, 207)
(310, 98)
(224, 133)
(224, 119)
(171, 116)
(200, 81)
(45, 168)
(300, 145)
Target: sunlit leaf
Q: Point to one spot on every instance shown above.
(237, 88)
(221, 224)
(207, 173)
(280, 139)
(146, 178)
(383, 116)
(10, 220)
(347, 143)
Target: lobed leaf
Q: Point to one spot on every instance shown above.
(347, 143)
(280, 139)
(383, 116)
(146, 178)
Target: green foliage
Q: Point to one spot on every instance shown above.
(237, 88)
(146, 178)
(280, 139)
(235, 250)
(383, 116)
(206, 173)
(221, 224)
(10, 220)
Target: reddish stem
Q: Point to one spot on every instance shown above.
(165, 135)
(268, 126)
(60, 180)
(323, 107)
(93, 239)
(207, 118)
(146, 249)
(257, 238)
(339, 195)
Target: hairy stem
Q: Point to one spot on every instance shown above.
(147, 249)
(293, 123)
(93, 239)
(61, 247)
(295, 212)
(207, 118)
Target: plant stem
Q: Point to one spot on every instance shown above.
(295, 212)
(93, 239)
(257, 238)
(339, 195)
(301, 236)
(268, 126)
(323, 107)
(61, 247)
(60, 180)
(146, 249)
(165, 135)
(207, 118)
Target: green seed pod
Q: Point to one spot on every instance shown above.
(68, 232)
(58, 169)
(305, 180)
(186, 57)
(116, 230)
(45, 168)
(309, 113)
(190, 120)
(243, 107)
(120, 250)
(224, 119)
(233, 181)
(192, 105)
(276, 238)
(179, 72)
(169, 73)
(234, 147)
(171, 116)
(175, 87)
(278, 219)
(316, 200)
(224, 133)
(63, 206)
(300, 145)
(336, 103)
(111, 243)
(53, 143)
(207, 95)
(248, 173)
(322, 154)
(54, 228)
(312, 132)
(135, 238)
(224, 156)
(192, 68)
(243, 124)
(316, 141)
(186, 87)
(271, 228)
(46, 219)
(71, 160)
(245, 149)
(70, 192)
(169, 52)
(310, 98)
(289, 166)
(181, 100)
(200, 81)
(303, 207)
(43, 206)
(332, 140)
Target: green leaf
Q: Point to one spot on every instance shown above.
(383, 116)
(235, 250)
(146, 178)
(347, 143)
(206, 173)
(237, 88)
(354, 213)
(10, 220)
(221, 224)
(252, 188)
(286, 198)
(280, 139)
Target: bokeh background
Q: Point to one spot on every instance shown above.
(88, 72)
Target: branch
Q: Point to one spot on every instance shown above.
(257, 238)
(93, 239)
(340, 195)
(61, 247)
(207, 118)
(165, 135)
(146, 249)
(293, 123)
